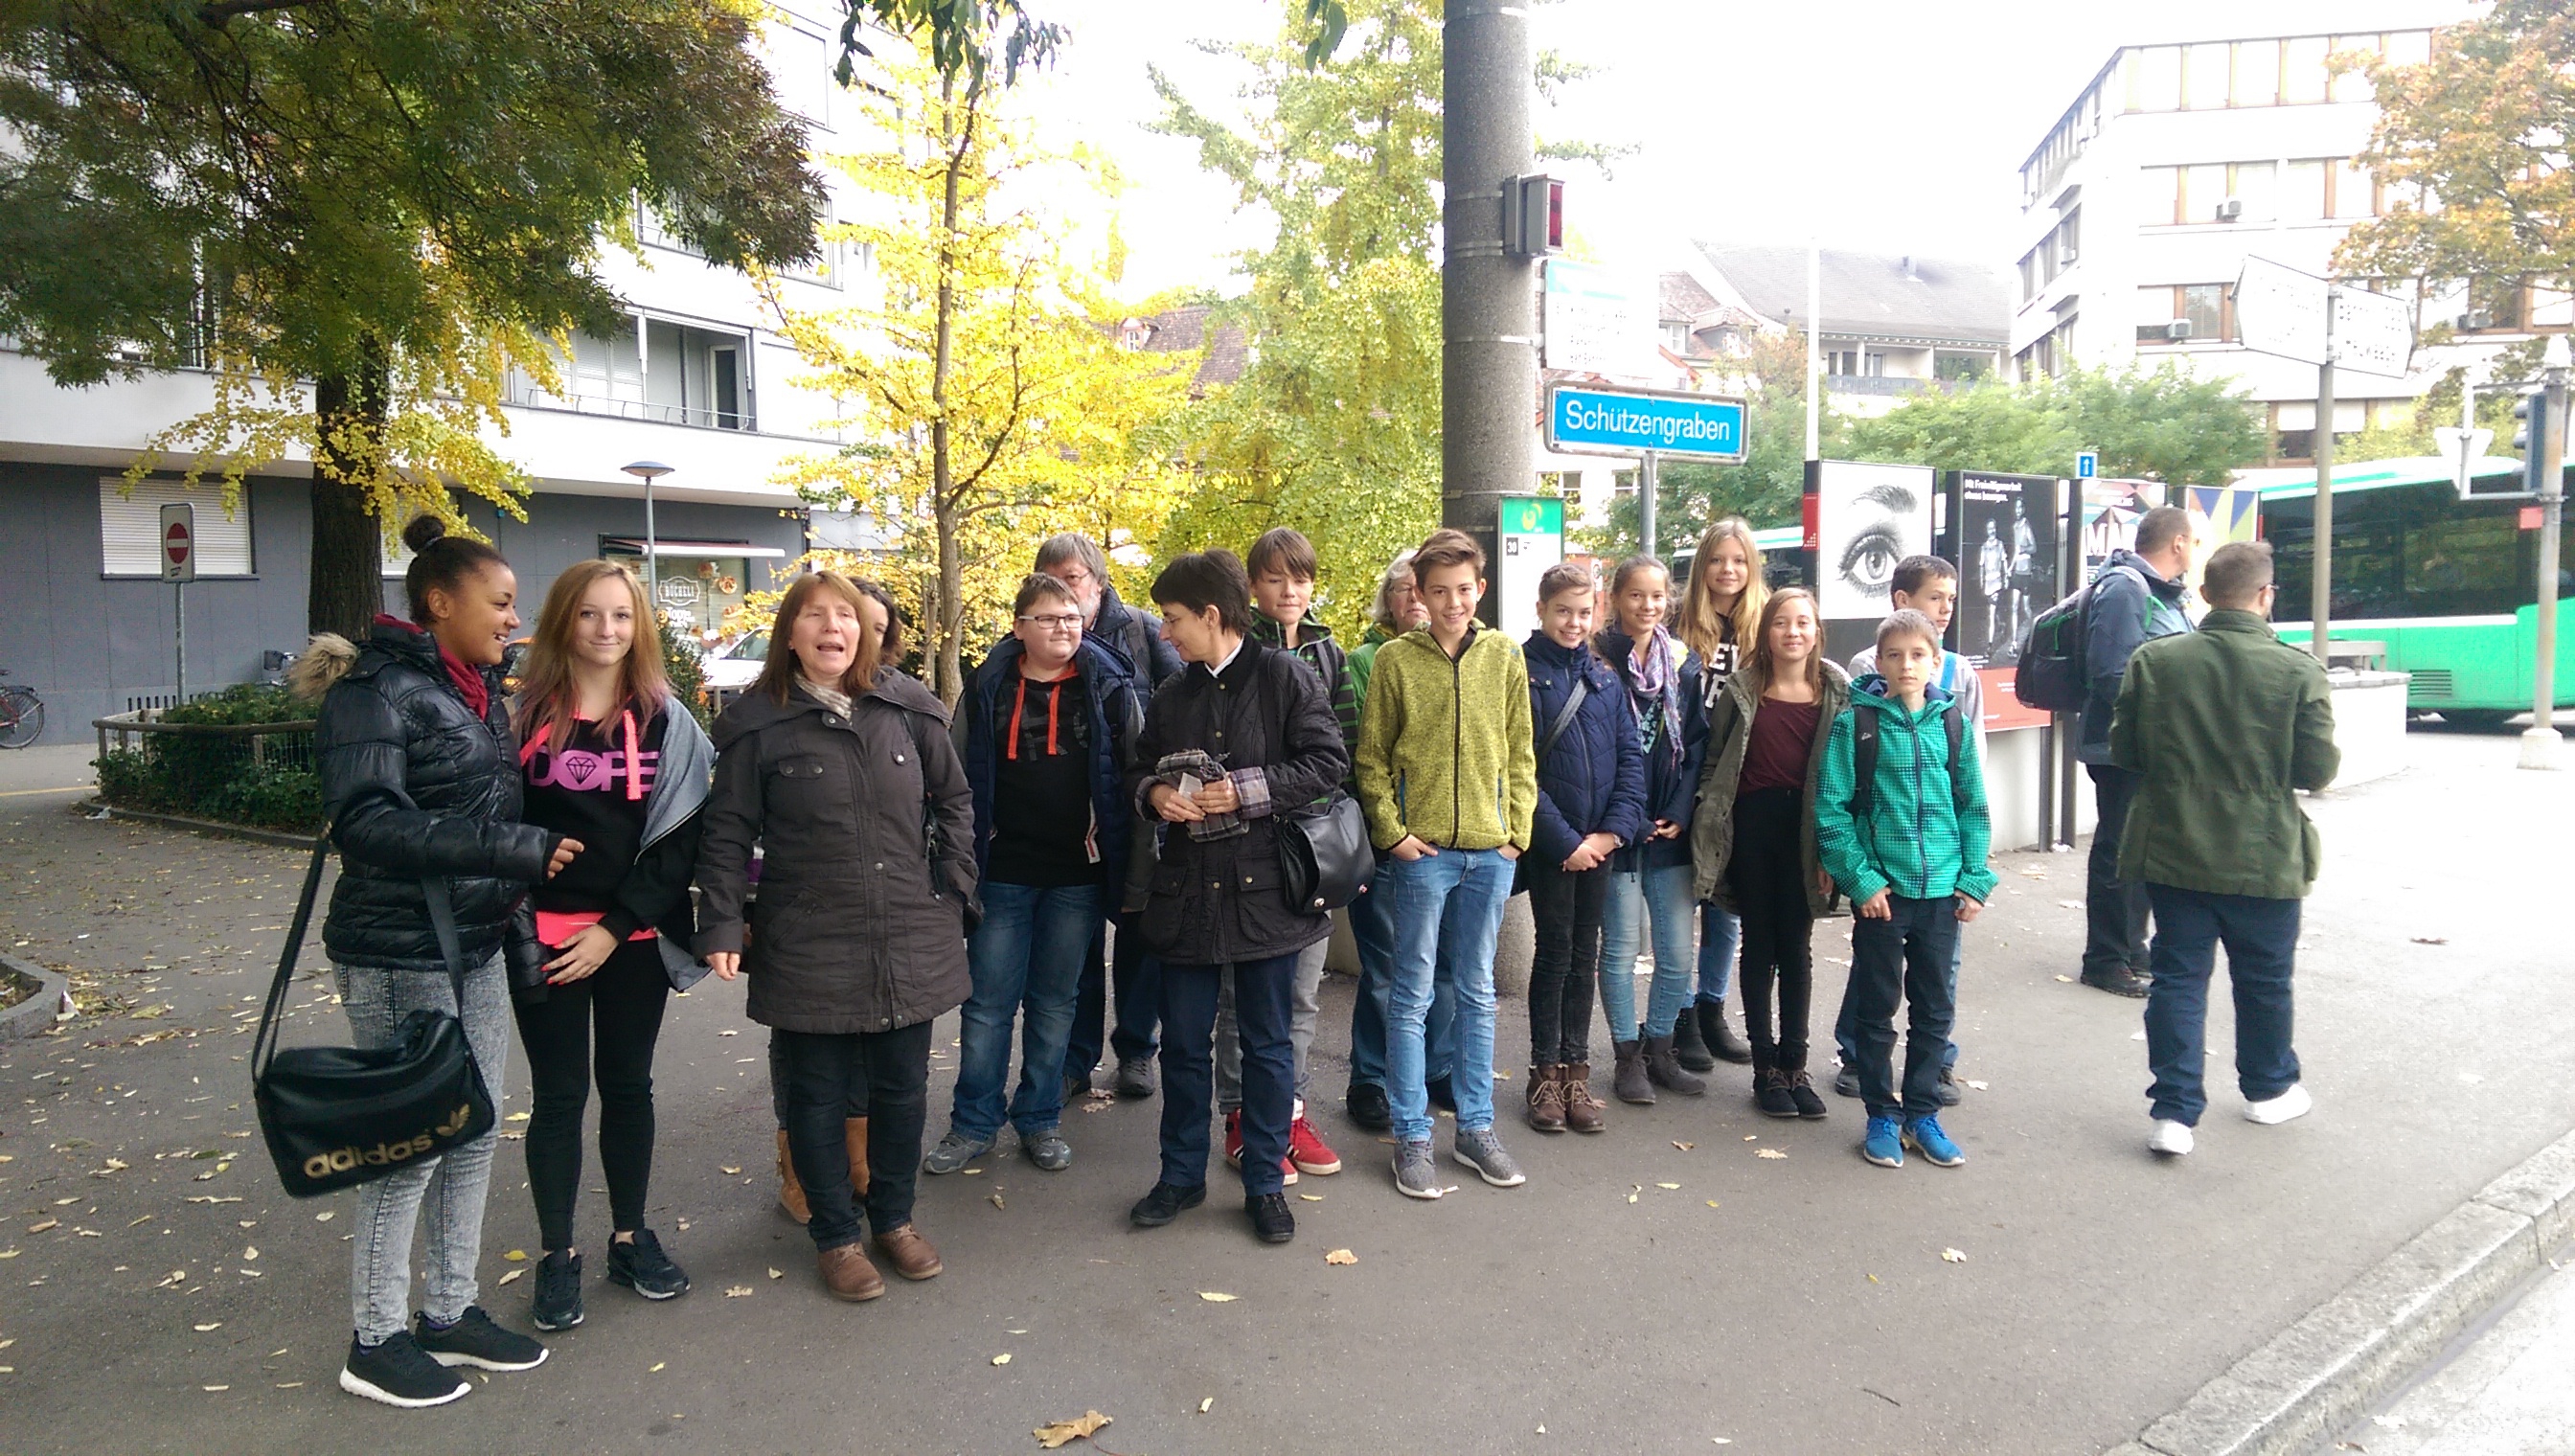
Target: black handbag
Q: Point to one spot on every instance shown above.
(338, 1116)
(1325, 857)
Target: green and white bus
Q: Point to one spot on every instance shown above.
(2450, 586)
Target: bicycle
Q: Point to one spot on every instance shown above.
(22, 714)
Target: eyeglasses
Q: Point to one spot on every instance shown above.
(1055, 622)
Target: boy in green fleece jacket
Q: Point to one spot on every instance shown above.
(1448, 774)
(1908, 848)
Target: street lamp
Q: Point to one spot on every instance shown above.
(648, 471)
(2539, 743)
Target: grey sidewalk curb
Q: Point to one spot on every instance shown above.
(202, 827)
(2317, 1375)
(35, 1014)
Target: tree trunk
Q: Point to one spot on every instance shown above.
(951, 611)
(946, 620)
(348, 542)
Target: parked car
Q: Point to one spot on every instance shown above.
(736, 666)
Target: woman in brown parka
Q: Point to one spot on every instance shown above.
(841, 768)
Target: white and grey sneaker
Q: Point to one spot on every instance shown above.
(2290, 1104)
(2170, 1138)
(955, 1152)
(1048, 1150)
(1483, 1151)
(1416, 1173)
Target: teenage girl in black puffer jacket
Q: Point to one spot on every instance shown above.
(420, 782)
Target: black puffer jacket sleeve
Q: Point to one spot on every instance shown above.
(364, 762)
(656, 887)
(728, 827)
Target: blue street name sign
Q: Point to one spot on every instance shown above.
(1632, 422)
(2087, 466)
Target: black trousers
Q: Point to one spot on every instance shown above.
(2114, 910)
(1903, 961)
(1567, 904)
(1264, 991)
(1136, 1002)
(821, 1067)
(601, 1028)
(1768, 874)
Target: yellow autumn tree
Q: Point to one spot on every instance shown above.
(986, 389)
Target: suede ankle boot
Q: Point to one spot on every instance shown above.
(1666, 1071)
(1628, 1079)
(1688, 1048)
(1721, 1041)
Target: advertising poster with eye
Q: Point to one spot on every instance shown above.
(1866, 519)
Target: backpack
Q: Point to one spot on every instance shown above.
(1864, 755)
(2050, 673)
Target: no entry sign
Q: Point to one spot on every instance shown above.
(179, 543)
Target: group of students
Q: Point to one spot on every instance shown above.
(1098, 825)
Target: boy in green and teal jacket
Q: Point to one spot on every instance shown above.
(1909, 850)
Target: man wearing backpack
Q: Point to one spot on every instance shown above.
(2136, 599)
(1133, 638)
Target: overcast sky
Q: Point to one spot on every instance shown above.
(1889, 125)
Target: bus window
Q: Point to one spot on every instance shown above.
(2467, 565)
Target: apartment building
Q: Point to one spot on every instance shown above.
(1888, 324)
(695, 377)
(2176, 162)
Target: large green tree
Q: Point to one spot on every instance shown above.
(2161, 425)
(396, 200)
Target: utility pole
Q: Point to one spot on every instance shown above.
(2320, 594)
(1646, 488)
(2540, 746)
(1487, 297)
(1814, 357)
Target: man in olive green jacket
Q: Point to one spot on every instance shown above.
(2223, 724)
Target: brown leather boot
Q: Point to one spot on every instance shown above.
(1545, 1098)
(1581, 1110)
(791, 1194)
(1628, 1080)
(1666, 1071)
(910, 1253)
(847, 1274)
(854, 1133)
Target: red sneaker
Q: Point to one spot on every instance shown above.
(1288, 1165)
(1307, 1148)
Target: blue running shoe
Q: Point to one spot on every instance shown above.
(1925, 1136)
(1884, 1145)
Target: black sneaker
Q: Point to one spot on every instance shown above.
(1367, 1105)
(1947, 1091)
(1135, 1076)
(1443, 1095)
(474, 1340)
(644, 1268)
(1272, 1223)
(1846, 1081)
(399, 1373)
(558, 1302)
(1163, 1204)
(2120, 983)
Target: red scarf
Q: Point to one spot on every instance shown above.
(467, 677)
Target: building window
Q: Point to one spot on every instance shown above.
(129, 529)
(2302, 192)
(2302, 69)
(2409, 48)
(2154, 79)
(2204, 79)
(2208, 308)
(2029, 279)
(1842, 361)
(2354, 85)
(2254, 186)
(2257, 73)
(2355, 191)
(1677, 337)
(1960, 366)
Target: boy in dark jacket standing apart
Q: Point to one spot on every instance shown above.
(1048, 723)
(2217, 839)
(1448, 774)
(1282, 564)
(1908, 845)
(1591, 803)
(2137, 599)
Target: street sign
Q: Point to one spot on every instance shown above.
(2087, 466)
(1588, 421)
(1598, 321)
(2281, 311)
(179, 543)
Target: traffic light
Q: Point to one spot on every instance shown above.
(1532, 216)
(2530, 438)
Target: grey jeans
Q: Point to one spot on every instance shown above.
(450, 1187)
(1303, 1000)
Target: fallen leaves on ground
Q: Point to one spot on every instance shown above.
(514, 1277)
(658, 1367)
(1976, 1086)
(1056, 1433)
(778, 1273)
(1711, 1203)
(1954, 1256)
(1312, 1197)
(1212, 1297)
(516, 1117)
(41, 1227)
(1632, 1192)
(2071, 904)
(723, 1169)
(1340, 1256)
(732, 1292)
(1002, 1358)
(1675, 1187)
(208, 1327)
(1207, 1405)
(516, 1256)
(1768, 1152)
(1683, 1146)
(996, 1200)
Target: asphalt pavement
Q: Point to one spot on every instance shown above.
(2506, 1389)
(1698, 1273)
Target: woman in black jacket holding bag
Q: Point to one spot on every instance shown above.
(841, 768)
(420, 785)
(1243, 735)
(614, 760)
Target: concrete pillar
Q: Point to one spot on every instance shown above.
(1488, 299)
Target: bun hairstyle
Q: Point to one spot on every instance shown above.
(439, 562)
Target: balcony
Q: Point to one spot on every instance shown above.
(662, 373)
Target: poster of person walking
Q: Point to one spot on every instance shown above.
(2006, 536)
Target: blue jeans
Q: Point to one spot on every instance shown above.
(1904, 958)
(1261, 996)
(1845, 1034)
(1660, 896)
(1373, 926)
(1134, 999)
(1447, 911)
(1720, 934)
(2261, 938)
(1028, 951)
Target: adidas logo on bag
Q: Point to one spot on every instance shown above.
(342, 1160)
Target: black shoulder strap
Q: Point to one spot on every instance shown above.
(264, 1045)
(1564, 716)
(1864, 761)
(1954, 717)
